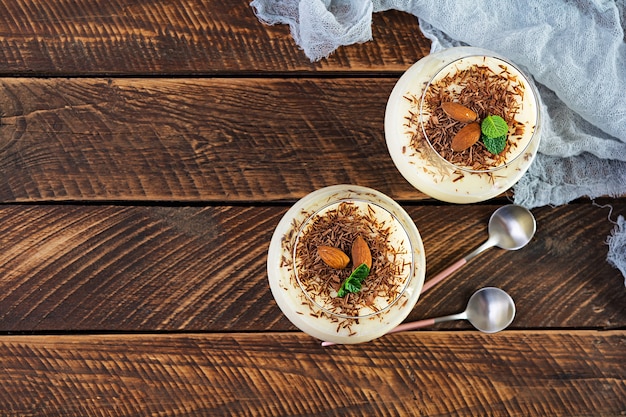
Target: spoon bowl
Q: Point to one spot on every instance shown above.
(512, 227)
(490, 310)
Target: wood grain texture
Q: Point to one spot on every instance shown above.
(105, 268)
(140, 186)
(124, 37)
(407, 374)
(192, 139)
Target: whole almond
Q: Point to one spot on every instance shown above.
(458, 112)
(361, 253)
(466, 137)
(333, 257)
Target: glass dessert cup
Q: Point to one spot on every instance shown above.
(410, 147)
(314, 307)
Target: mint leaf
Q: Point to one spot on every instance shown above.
(353, 283)
(494, 145)
(352, 286)
(494, 126)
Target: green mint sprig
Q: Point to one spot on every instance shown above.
(494, 126)
(494, 133)
(354, 282)
(494, 145)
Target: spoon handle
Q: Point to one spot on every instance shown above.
(443, 274)
(412, 325)
(457, 265)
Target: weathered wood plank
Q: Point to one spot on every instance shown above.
(192, 139)
(54, 37)
(119, 268)
(433, 373)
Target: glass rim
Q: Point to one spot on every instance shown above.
(324, 309)
(507, 162)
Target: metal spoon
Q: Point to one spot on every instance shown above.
(511, 227)
(489, 310)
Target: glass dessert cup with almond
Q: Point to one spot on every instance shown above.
(346, 264)
(439, 117)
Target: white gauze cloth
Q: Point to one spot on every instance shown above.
(574, 50)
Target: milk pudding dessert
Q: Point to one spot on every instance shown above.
(462, 125)
(342, 237)
(346, 264)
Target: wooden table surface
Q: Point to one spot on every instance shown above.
(148, 149)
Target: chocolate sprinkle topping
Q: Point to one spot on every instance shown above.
(339, 227)
(485, 92)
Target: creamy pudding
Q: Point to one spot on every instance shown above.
(306, 289)
(419, 133)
